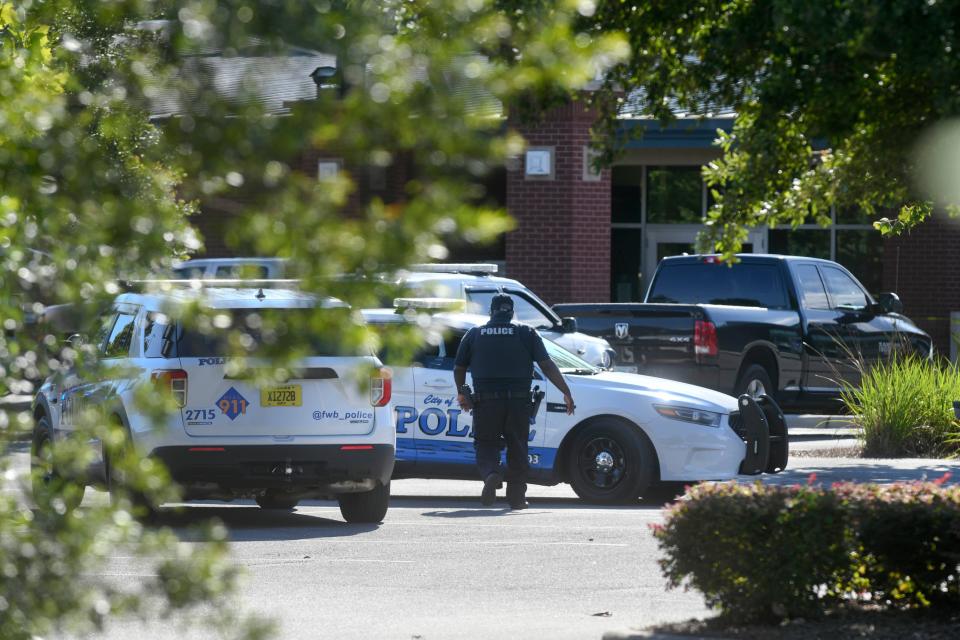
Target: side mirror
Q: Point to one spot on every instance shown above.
(167, 340)
(76, 341)
(568, 325)
(889, 303)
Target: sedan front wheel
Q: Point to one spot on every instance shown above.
(610, 462)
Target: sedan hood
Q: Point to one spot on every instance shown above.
(657, 389)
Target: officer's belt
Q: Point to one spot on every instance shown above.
(501, 395)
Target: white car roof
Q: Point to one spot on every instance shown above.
(232, 298)
(468, 279)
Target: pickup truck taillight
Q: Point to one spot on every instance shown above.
(704, 340)
(381, 386)
(172, 381)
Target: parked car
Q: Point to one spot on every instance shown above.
(630, 435)
(476, 284)
(796, 328)
(316, 434)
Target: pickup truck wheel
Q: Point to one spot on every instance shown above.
(369, 506)
(610, 462)
(46, 484)
(755, 382)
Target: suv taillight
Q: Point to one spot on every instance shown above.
(704, 340)
(381, 386)
(173, 381)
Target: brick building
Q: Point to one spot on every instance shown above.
(585, 236)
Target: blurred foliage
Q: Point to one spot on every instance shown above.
(94, 191)
(830, 100)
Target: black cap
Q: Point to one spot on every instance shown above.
(501, 303)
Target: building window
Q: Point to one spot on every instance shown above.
(861, 252)
(627, 194)
(625, 261)
(674, 195)
(645, 197)
(811, 243)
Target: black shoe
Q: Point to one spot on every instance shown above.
(516, 505)
(490, 485)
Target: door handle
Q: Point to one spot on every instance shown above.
(438, 382)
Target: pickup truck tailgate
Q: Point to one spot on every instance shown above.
(655, 340)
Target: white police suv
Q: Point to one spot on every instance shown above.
(630, 436)
(477, 284)
(317, 433)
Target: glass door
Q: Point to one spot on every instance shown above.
(675, 240)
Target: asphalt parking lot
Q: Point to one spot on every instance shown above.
(441, 566)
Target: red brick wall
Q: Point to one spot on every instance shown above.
(561, 246)
(922, 268)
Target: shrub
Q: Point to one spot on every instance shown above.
(908, 542)
(760, 553)
(905, 408)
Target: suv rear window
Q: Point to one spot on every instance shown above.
(746, 285)
(257, 328)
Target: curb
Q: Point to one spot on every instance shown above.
(821, 422)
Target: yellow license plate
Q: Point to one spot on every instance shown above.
(289, 395)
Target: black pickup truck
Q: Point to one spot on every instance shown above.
(793, 327)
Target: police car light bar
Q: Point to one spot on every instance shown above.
(469, 267)
(437, 304)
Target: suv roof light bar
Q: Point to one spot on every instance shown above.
(482, 268)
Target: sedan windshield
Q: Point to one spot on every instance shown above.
(568, 362)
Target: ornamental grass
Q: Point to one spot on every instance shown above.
(904, 408)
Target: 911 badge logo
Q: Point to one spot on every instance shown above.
(621, 330)
(232, 403)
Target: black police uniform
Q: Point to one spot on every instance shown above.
(500, 357)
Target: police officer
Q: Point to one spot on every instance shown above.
(500, 357)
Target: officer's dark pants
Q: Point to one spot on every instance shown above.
(498, 421)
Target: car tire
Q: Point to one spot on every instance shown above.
(140, 503)
(755, 382)
(277, 500)
(46, 484)
(368, 506)
(610, 462)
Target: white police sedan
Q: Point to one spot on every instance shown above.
(630, 436)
